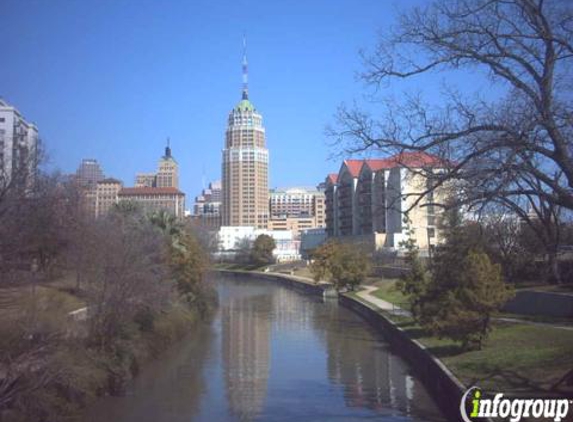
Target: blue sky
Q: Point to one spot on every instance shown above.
(111, 79)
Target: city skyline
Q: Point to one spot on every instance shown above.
(173, 75)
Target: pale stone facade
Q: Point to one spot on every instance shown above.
(368, 201)
(106, 195)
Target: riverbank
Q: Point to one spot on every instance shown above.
(74, 371)
(518, 358)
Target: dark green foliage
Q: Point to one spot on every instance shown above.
(415, 283)
(456, 300)
(262, 251)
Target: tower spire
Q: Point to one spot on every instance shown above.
(245, 70)
(168, 148)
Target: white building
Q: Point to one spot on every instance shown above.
(231, 237)
(18, 146)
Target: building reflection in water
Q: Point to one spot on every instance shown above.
(371, 375)
(246, 327)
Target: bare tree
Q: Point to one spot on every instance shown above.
(518, 145)
(128, 273)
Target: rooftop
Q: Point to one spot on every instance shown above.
(145, 190)
(245, 105)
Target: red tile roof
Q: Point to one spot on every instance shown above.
(332, 178)
(353, 166)
(378, 164)
(411, 159)
(144, 190)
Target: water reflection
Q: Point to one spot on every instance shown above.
(273, 354)
(245, 331)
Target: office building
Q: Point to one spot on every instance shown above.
(167, 175)
(245, 165)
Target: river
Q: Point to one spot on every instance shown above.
(273, 354)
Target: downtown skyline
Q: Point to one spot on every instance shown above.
(176, 72)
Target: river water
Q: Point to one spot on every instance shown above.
(273, 354)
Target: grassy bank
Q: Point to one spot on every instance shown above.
(516, 358)
(388, 291)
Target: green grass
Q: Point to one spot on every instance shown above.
(388, 291)
(516, 358)
(545, 319)
(238, 267)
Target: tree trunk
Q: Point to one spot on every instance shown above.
(554, 274)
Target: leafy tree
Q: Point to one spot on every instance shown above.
(262, 251)
(346, 265)
(243, 250)
(189, 264)
(321, 258)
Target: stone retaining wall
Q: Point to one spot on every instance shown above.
(441, 384)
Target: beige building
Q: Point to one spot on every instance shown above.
(368, 200)
(245, 167)
(296, 209)
(145, 180)
(167, 175)
(295, 224)
(155, 199)
(106, 195)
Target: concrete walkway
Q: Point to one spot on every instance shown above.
(367, 295)
(539, 324)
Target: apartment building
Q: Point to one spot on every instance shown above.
(18, 147)
(368, 200)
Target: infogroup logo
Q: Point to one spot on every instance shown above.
(514, 409)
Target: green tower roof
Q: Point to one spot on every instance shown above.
(245, 105)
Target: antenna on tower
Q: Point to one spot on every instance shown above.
(168, 148)
(245, 70)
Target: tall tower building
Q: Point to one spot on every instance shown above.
(168, 171)
(245, 169)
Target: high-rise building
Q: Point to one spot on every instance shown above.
(89, 173)
(296, 209)
(167, 175)
(18, 147)
(168, 171)
(245, 165)
(207, 207)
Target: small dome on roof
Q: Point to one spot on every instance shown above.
(245, 105)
